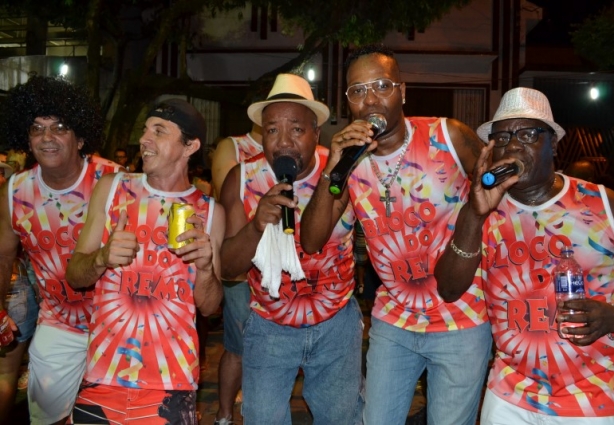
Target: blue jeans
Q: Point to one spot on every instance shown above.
(236, 311)
(456, 364)
(22, 306)
(329, 354)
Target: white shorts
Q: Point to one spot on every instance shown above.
(496, 411)
(57, 364)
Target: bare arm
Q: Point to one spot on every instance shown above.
(453, 272)
(89, 260)
(224, 158)
(324, 209)
(321, 215)
(466, 143)
(242, 237)
(9, 245)
(204, 251)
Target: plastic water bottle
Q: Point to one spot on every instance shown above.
(568, 285)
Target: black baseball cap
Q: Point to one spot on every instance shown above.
(184, 114)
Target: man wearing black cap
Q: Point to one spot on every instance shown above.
(143, 354)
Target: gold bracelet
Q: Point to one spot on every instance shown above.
(325, 176)
(462, 253)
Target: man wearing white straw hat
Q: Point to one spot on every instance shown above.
(514, 234)
(311, 322)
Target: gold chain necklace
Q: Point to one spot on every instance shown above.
(533, 202)
(387, 184)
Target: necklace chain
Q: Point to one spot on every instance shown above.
(393, 177)
(387, 199)
(533, 202)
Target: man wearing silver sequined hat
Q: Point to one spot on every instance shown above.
(515, 234)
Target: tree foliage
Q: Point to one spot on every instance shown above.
(159, 22)
(594, 39)
(360, 22)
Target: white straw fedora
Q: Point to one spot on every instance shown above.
(8, 170)
(522, 102)
(289, 88)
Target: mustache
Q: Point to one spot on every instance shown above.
(48, 146)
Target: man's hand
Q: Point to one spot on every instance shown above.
(199, 250)
(269, 207)
(482, 201)
(356, 133)
(597, 318)
(121, 248)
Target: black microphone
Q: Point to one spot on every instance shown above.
(350, 155)
(499, 174)
(285, 170)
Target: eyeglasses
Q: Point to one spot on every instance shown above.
(120, 156)
(57, 129)
(526, 136)
(382, 88)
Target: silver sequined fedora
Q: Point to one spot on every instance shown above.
(522, 102)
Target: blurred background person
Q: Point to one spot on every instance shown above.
(17, 160)
(121, 158)
(229, 152)
(22, 306)
(582, 169)
(5, 172)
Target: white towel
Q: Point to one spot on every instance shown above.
(276, 252)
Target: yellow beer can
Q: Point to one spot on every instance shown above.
(177, 224)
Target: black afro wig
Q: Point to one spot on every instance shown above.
(50, 97)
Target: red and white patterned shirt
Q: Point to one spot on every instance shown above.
(429, 191)
(329, 282)
(48, 222)
(143, 330)
(534, 368)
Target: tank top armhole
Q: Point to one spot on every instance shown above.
(210, 215)
(113, 190)
(446, 135)
(9, 195)
(235, 144)
(606, 205)
(242, 184)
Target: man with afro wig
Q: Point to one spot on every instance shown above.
(43, 209)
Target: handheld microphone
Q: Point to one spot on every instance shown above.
(350, 155)
(286, 170)
(499, 174)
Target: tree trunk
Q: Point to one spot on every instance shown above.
(93, 49)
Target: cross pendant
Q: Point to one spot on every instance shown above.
(388, 199)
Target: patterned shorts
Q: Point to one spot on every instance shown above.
(103, 404)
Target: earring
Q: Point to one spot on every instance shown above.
(403, 101)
